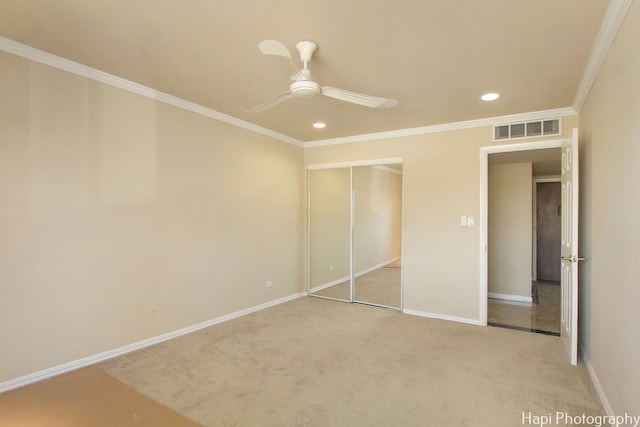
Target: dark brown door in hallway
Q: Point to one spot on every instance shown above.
(548, 216)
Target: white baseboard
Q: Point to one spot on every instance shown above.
(90, 360)
(443, 317)
(509, 297)
(596, 383)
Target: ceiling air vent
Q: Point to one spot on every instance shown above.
(532, 129)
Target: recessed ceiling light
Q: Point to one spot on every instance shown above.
(319, 125)
(490, 96)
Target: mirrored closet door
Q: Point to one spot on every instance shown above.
(354, 234)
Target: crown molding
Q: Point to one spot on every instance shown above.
(608, 30)
(468, 124)
(45, 58)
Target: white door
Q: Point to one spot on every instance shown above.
(569, 254)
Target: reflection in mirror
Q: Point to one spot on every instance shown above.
(330, 233)
(377, 234)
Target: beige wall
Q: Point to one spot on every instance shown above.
(610, 231)
(123, 218)
(441, 182)
(510, 225)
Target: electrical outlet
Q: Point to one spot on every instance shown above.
(331, 268)
(268, 284)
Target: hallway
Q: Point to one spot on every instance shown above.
(543, 316)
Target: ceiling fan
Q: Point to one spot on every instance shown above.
(302, 85)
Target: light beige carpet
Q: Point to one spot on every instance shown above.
(316, 362)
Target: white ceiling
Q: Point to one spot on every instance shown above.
(435, 57)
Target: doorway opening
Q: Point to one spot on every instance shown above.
(522, 291)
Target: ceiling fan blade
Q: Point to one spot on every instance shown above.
(273, 47)
(280, 55)
(358, 98)
(271, 103)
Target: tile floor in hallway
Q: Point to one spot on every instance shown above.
(543, 317)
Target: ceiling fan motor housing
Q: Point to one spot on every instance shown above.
(306, 48)
(305, 88)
